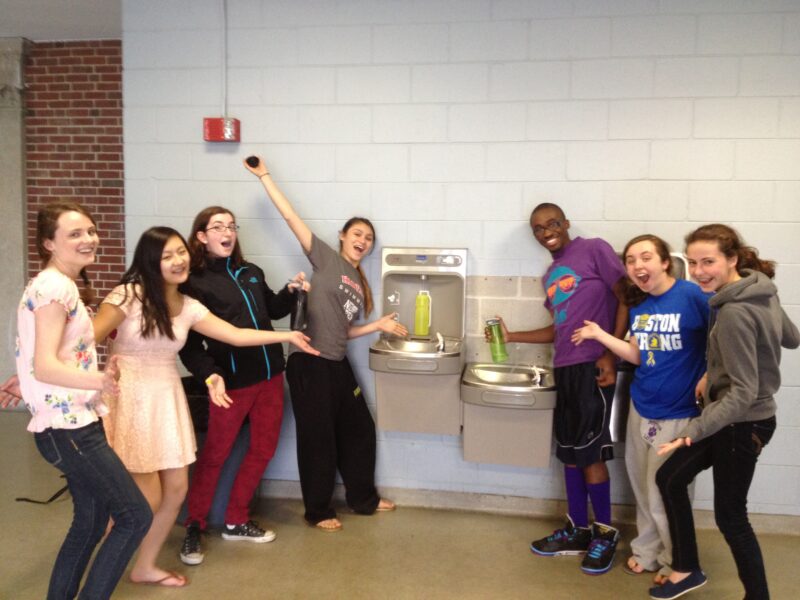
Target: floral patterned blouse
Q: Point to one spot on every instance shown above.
(52, 405)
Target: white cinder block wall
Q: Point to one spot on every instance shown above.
(446, 121)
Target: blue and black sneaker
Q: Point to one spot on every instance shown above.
(600, 555)
(569, 540)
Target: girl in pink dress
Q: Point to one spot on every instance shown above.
(149, 425)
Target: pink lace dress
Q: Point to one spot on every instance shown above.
(149, 425)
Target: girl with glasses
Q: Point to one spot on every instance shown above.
(243, 383)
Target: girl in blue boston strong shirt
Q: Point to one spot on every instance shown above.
(668, 322)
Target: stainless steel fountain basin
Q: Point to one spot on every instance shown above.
(416, 347)
(521, 386)
(421, 356)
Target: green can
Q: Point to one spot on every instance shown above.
(496, 343)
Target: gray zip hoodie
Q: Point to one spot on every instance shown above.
(748, 328)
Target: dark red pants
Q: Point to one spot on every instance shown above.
(263, 403)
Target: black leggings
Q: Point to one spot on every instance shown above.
(335, 430)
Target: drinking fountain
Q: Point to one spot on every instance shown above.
(417, 379)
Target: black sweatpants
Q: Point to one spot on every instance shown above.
(335, 430)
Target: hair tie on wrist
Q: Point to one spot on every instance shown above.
(208, 380)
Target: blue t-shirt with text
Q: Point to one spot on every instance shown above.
(670, 330)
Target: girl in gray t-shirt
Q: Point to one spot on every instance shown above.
(335, 429)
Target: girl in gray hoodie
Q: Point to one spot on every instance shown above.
(747, 330)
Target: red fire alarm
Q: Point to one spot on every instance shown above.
(221, 129)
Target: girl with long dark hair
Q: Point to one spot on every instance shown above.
(335, 430)
(149, 426)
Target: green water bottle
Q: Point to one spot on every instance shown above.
(422, 314)
(497, 344)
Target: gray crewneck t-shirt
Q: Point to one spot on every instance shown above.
(334, 302)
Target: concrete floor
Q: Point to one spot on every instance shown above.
(411, 553)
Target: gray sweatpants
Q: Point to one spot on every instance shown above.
(652, 547)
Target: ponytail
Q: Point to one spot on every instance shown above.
(87, 293)
(367, 291)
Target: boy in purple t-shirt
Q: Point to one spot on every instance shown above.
(581, 284)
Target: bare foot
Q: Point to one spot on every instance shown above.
(677, 576)
(385, 505)
(660, 578)
(634, 566)
(330, 525)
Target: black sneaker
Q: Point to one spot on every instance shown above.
(600, 555)
(192, 550)
(569, 540)
(247, 532)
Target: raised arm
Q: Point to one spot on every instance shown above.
(295, 223)
(214, 327)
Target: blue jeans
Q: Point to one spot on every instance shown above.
(101, 487)
(732, 452)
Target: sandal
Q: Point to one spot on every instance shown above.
(632, 567)
(170, 576)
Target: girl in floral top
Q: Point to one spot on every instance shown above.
(61, 387)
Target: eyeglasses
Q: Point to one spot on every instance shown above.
(553, 225)
(233, 228)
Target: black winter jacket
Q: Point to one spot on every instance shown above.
(243, 298)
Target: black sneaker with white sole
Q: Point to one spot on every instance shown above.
(247, 532)
(192, 549)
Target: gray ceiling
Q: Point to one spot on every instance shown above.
(61, 20)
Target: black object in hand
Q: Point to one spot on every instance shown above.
(252, 161)
(299, 319)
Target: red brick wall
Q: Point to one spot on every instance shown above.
(73, 128)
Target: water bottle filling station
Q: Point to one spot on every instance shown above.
(417, 380)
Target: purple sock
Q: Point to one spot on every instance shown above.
(577, 500)
(600, 493)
